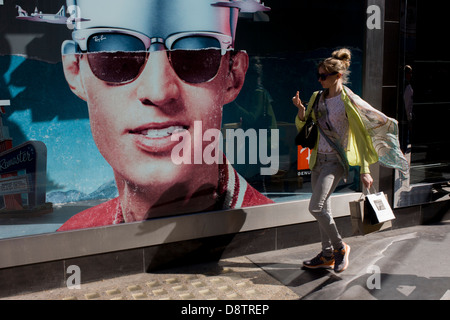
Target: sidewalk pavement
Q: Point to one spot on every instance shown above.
(404, 264)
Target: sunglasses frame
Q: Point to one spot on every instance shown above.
(324, 76)
(82, 36)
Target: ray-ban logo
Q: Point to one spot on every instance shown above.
(99, 38)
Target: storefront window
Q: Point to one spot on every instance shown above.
(281, 67)
(46, 124)
(424, 105)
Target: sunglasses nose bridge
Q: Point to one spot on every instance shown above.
(157, 81)
(157, 66)
(157, 44)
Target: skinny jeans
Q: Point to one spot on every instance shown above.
(325, 177)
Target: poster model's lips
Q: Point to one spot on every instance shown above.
(156, 137)
(158, 130)
(160, 133)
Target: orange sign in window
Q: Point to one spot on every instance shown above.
(303, 155)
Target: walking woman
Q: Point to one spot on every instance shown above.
(351, 133)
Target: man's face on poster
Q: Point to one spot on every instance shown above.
(132, 121)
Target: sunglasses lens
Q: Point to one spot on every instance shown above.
(110, 42)
(195, 66)
(323, 76)
(196, 42)
(115, 57)
(119, 58)
(192, 62)
(116, 67)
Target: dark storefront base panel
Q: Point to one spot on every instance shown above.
(50, 275)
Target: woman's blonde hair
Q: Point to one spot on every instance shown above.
(339, 61)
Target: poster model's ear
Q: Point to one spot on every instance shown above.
(238, 67)
(71, 66)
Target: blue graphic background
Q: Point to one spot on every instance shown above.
(44, 109)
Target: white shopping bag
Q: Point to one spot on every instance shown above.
(378, 208)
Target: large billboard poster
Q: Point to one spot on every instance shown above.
(118, 111)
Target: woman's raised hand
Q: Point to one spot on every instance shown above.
(298, 103)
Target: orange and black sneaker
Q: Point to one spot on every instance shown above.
(320, 261)
(341, 258)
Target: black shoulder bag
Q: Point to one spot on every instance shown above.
(307, 136)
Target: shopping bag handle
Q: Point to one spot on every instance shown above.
(368, 192)
(372, 187)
